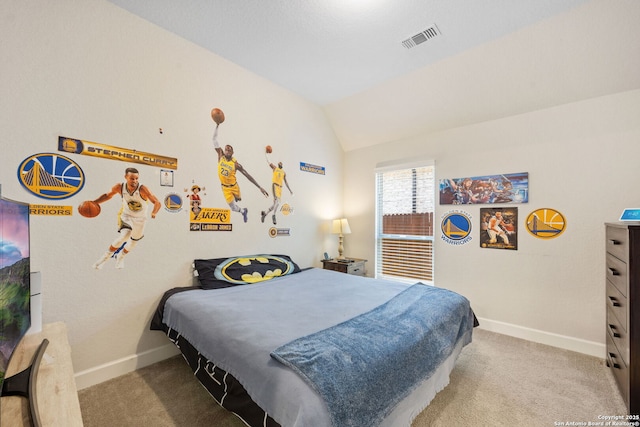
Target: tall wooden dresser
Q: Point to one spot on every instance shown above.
(623, 322)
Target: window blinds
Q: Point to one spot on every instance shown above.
(404, 228)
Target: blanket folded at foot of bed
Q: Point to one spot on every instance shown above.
(363, 367)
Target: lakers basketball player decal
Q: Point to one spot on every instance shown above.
(546, 223)
(227, 168)
(279, 177)
(456, 227)
(51, 176)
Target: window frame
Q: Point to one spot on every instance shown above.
(380, 237)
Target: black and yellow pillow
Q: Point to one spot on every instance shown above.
(242, 270)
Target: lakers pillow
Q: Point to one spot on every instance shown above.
(242, 270)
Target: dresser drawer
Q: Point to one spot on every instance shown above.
(618, 304)
(619, 368)
(617, 273)
(356, 268)
(618, 242)
(619, 336)
(335, 266)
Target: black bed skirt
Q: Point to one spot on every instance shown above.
(223, 387)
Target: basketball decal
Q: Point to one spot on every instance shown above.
(217, 115)
(51, 176)
(546, 223)
(456, 227)
(173, 202)
(89, 209)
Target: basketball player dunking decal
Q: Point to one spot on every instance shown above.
(132, 216)
(227, 167)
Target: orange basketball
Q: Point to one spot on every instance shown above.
(268, 149)
(217, 115)
(89, 209)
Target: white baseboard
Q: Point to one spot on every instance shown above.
(123, 366)
(590, 348)
(128, 364)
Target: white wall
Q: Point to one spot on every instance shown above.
(90, 70)
(581, 159)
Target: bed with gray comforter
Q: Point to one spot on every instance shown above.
(320, 348)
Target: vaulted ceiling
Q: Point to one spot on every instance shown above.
(384, 70)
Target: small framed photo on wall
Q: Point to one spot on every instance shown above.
(166, 178)
(499, 228)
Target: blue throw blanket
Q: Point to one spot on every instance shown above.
(363, 367)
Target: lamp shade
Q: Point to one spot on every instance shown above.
(340, 226)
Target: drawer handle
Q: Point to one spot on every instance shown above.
(615, 242)
(612, 329)
(613, 362)
(614, 272)
(614, 301)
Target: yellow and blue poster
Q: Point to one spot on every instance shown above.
(103, 151)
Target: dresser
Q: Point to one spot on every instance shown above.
(355, 266)
(623, 322)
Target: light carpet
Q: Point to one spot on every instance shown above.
(498, 381)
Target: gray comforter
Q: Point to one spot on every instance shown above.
(239, 327)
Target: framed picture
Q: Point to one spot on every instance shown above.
(166, 178)
(499, 228)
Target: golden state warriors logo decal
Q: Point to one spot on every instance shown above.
(173, 202)
(546, 223)
(456, 227)
(51, 176)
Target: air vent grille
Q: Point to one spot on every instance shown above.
(421, 37)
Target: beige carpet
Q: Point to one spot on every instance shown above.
(498, 381)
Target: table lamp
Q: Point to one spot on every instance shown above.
(340, 227)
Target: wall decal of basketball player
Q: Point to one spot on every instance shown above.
(227, 167)
(132, 217)
(279, 176)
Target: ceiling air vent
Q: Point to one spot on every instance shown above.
(421, 37)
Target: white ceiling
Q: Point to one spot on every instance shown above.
(489, 59)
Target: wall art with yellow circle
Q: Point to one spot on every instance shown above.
(546, 223)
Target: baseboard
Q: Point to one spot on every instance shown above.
(590, 348)
(123, 366)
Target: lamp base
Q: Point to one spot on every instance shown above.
(340, 247)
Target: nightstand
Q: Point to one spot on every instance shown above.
(356, 266)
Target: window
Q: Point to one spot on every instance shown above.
(404, 223)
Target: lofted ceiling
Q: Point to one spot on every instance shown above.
(384, 70)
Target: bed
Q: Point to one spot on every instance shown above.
(281, 346)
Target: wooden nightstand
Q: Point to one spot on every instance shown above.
(356, 266)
